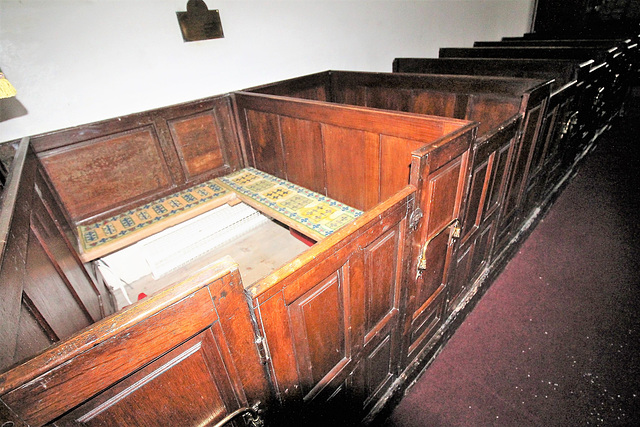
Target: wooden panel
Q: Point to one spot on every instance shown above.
(265, 143)
(144, 366)
(491, 111)
(187, 386)
(499, 176)
(423, 326)
(444, 193)
(14, 231)
(344, 150)
(68, 266)
(519, 174)
(461, 273)
(395, 163)
(318, 329)
(38, 401)
(388, 98)
(379, 368)
(303, 153)
(198, 143)
(94, 176)
(434, 103)
(381, 288)
(480, 178)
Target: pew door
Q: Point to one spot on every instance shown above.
(440, 173)
(489, 172)
(185, 356)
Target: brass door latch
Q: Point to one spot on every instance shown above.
(455, 230)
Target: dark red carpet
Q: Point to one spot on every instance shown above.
(554, 341)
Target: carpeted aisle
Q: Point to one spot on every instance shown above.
(554, 341)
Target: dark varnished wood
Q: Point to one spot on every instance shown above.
(349, 140)
(142, 157)
(341, 328)
(46, 292)
(200, 367)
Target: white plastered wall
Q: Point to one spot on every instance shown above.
(79, 61)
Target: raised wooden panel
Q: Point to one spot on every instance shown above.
(483, 245)
(491, 111)
(352, 156)
(379, 368)
(266, 145)
(433, 276)
(424, 325)
(187, 386)
(40, 400)
(498, 176)
(198, 143)
(96, 175)
(66, 263)
(461, 274)
(303, 154)
(395, 161)
(50, 292)
(395, 99)
(318, 327)
(480, 177)
(444, 189)
(381, 287)
(434, 103)
(519, 174)
(32, 338)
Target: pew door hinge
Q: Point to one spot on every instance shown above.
(415, 218)
(263, 351)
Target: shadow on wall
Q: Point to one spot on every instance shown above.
(10, 108)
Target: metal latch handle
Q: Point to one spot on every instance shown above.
(454, 226)
(251, 415)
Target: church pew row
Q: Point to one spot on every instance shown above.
(344, 327)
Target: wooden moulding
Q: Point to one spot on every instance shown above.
(90, 362)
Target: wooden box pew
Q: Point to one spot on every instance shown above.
(328, 327)
(501, 161)
(361, 313)
(561, 128)
(593, 96)
(621, 62)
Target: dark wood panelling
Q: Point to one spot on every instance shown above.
(266, 143)
(444, 173)
(133, 162)
(395, 155)
(491, 111)
(169, 358)
(189, 386)
(434, 103)
(518, 175)
(303, 153)
(197, 141)
(319, 331)
(381, 288)
(352, 156)
(444, 196)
